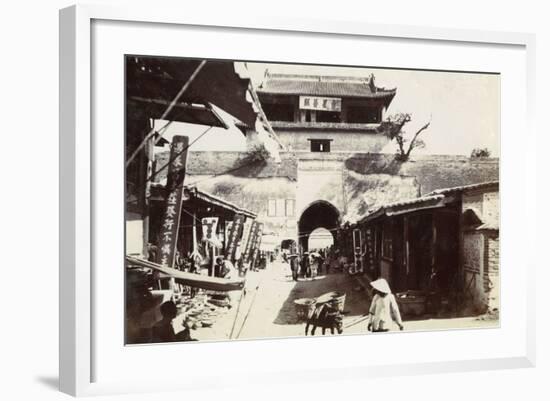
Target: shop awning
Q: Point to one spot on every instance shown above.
(191, 279)
(407, 206)
(159, 194)
(205, 196)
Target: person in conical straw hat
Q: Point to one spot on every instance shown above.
(383, 308)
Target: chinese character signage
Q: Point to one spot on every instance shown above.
(370, 249)
(209, 226)
(250, 241)
(241, 245)
(168, 234)
(320, 103)
(235, 233)
(358, 249)
(257, 241)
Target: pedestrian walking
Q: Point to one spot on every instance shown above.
(383, 308)
(305, 271)
(294, 265)
(314, 264)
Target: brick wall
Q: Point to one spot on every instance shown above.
(491, 279)
(473, 261)
(481, 249)
(491, 207)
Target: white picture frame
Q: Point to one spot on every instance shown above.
(78, 347)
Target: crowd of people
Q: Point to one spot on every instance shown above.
(314, 263)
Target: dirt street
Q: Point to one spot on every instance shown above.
(267, 308)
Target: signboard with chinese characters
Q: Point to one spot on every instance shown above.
(358, 249)
(235, 233)
(247, 228)
(257, 242)
(369, 243)
(320, 103)
(168, 234)
(251, 240)
(209, 226)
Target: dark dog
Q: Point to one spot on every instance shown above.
(325, 316)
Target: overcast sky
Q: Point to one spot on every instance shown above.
(464, 108)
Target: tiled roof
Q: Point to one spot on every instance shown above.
(408, 205)
(160, 194)
(424, 200)
(462, 188)
(325, 86)
(432, 200)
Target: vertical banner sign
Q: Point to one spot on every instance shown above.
(241, 244)
(251, 238)
(235, 233)
(357, 250)
(209, 226)
(369, 248)
(169, 228)
(257, 241)
(227, 234)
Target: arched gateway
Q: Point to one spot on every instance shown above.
(318, 214)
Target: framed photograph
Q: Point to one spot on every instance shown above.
(274, 197)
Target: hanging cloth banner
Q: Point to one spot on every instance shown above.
(209, 230)
(228, 226)
(369, 249)
(168, 235)
(235, 233)
(257, 242)
(241, 245)
(251, 239)
(358, 250)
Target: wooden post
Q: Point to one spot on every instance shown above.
(213, 261)
(194, 243)
(406, 244)
(149, 159)
(194, 232)
(434, 239)
(224, 233)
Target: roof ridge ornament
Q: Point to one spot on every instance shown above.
(372, 85)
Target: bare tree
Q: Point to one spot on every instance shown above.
(394, 129)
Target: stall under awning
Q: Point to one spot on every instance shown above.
(190, 279)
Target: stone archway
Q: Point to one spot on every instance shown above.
(319, 214)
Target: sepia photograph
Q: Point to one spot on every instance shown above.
(277, 200)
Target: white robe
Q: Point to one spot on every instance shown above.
(384, 309)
